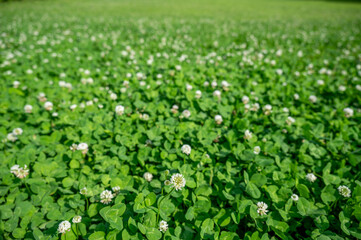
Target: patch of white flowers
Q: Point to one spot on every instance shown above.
(256, 150)
(48, 106)
(119, 110)
(28, 108)
(290, 120)
(294, 197)
(83, 147)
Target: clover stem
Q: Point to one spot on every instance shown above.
(27, 187)
(161, 202)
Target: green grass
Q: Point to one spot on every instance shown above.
(224, 9)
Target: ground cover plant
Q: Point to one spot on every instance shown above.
(167, 120)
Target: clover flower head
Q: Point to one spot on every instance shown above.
(18, 131)
(119, 110)
(148, 176)
(311, 177)
(186, 113)
(296, 96)
(174, 109)
(348, 112)
(198, 94)
(256, 150)
(76, 219)
(11, 137)
(206, 84)
(312, 99)
(73, 147)
(186, 149)
(247, 135)
(344, 191)
(217, 94)
(84, 191)
(245, 99)
(267, 109)
(294, 197)
(255, 107)
(64, 226)
(163, 226)
(48, 106)
(28, 108)
(218, 119)
(214, 84)
(83, 147)
(290, 120)
(106, 197)
(320, 82)
(116, 189)
(189, 87)
(262, 208)
(20, 172)
(178, 181)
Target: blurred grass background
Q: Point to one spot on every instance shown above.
(226, 9)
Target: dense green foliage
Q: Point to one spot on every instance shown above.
(287, 90)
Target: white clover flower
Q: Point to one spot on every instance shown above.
(290, 120)
(76, 219)
(214, 84)
(178, 181)
(256, 150)
(342, 88)
(311, 177)
(89, 103)
(20, 172)
(255, 107)
(358, 87)
(163, 226)
(28, 108)
(186, 149)
(148, 176)
(55, 114)
(206, 84)
(48, 106)
(144, 116)
(217, 94)
(225, 85)
(116, 189)
(16, 84)
(262, 208)
(294, 197)
(245, 99)
(218, 119)
(279, 71)
(17, 131)
(267, 109)
(113, 96)
(174, 109)
(42, 97)
(84, 191)
(247, 135)
(312, 98)
(178, 67)
(64, 226)
(11, 137)
(83, 147)
(198, 94)
(186, 113)
(344, 191)
(348, 112)
(106, 197)
(296, 96)
(74, 147)
(72, 107)
(320, 82)
(119, 110)
(285, 110)
(189, 87)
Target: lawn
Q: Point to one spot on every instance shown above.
(154, 119)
